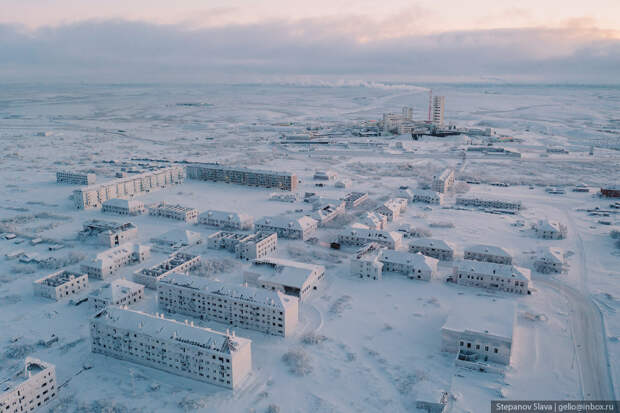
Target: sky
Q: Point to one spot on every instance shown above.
(243, 40)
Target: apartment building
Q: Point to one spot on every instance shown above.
(229, 220)
(478, 202)
(93, 196)
(413, 265)
(174, 211)
(290, 277)
(363, 236)
(286, 181)
(491, 276)
(270, 312)
(549, 260)
(443, 182)
(199, 353)
(176, 239)
(480, 336)
(292, 228)
(32, 388)
(327, 213)
(437, 110)
(392, 208)
(373, 220)
(60, 284)
(110, 234)
(245, 246)
(108, 262)
(75, 178)
(355, 199)
(431, 247)
(118, 293)
(365, 264)
(121, 206)
(325, 175)
(546, 229)
(179, 262)
(426, 196)
(488, 253)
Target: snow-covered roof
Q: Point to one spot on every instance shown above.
(546, 225)
(550, 255)
(124, 203)
(178, 236)
(431, 243)
(487, 249)
(116, 290)
(372, 234)
(444, 175)
(124, 249)
(225, 216)
(495, 318)
(491, 268)
(403, 257)
(302, 223)
(425, 193)
(285, 272)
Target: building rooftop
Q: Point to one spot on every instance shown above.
(491, 268)
(495, 318)
(487, 249)
(175, 260)
(243, 169)
(225, 216)
(171, 207)
(123, 249)
(124, 203)
(431, 243)
(32, 366)
(285, 272)
(403, 257)
(116, 290)
(373, 233)
(58, 278)
(302, 223)
(129, 178)
(178, 236)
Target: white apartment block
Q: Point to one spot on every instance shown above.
(407, 113)
(489, 203)
(434, 248)
(373, 220)
(270, 312)
(108, 262)
(391, 121)
(118, 293)
(75, 178)
(290, 277)
(392, 208)
(362, 236)
(60, 284)
(245, 246)
(355, 199)
(121, 206)
(546, 229)
(426, 196)
(110, 234)
(480, 335)
(299, 228)
(328, 213)
(443, 182)
(33, 387)
(325, 175)
(172, 211)
(414, 266)
(549, 260)
(93, 196)
(366, 262)
(215, 172)
(176, 240)
(491, 276)
(488, 253)
(179, 348)
(179, 262)
(437, 110)
(229, 220)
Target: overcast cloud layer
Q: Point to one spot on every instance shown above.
(123, 51)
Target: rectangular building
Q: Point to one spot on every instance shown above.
(286, 181)
(489, 203)
(491, 276)
(292, 228)
(549, 260)
(546, 229)
(110, 234)
(245, 246)
(121, 206)
(327, 213)
(437, 112)
(414, 266)
(176, 239)
(75, 178)
(93, 196)
(443, 182)
(178, 212)
(392, 208)
(290, 277)
(270, 312)
(426, 196)
(60, 284)
(431, 247)
(108, 262)
(229, 220)
(365, 264)
(355, 199)
(179, 262)
(33, 387)
(373, 220)
(488, 253)
(118, 293)
(363, 236)
(179, 348)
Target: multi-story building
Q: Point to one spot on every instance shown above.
(326, 175)
(33, 387)
(121, 206)
(354, 199)
(270, 312)
(110, 234)
(480, 335)
(297, 228)
(363, 236)
(172, 211)
(327, 213)
(373, 220)
(488, 253)
(392, 208)
(245, 246)
(437, 110)
(426, 196)
(75, 178)
(366, 262)
(431, 247)
(286, 181)
(108, 262)
(118, 293)
(414, 266)
(444, 181)
(179, 262)
(407, 113)
(179, 348)
(546, 229)
(549, 260)
(93, 196)
(612, 191)
(489, 203)
(290, 277)
(60, 284)
(229, 220)
(176, 239)
(491, 276)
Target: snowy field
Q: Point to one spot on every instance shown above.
(363, 346)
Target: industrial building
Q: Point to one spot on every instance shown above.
(121, 206)
(179, 348)
(489, 203)
(491, 276)
(228, 220)
(546, 229)
(362, 236)
(365, 264)
(33, 387)
(290, 277)
(443, 182)
(413, 265)
(118, 293)
(110, 234)
(75, 178)
(172, 211)
(437, 110)
(270, 312)
(108, 262)
(292, 228)
(93, 196)
(488, 253)
(286, 181)
(60, 284)
(355, 199)
(176, 239)
(434, 248)
(179, 262)
(245, 246)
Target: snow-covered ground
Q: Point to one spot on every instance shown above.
(365, 346)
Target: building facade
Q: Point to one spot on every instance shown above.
(61, 284)
(365, 264)
(108, 262)
(32, 388)
(75, 178)
(290, 277)
(355, 199)
(223, 219)
(286, 181)
(414, 266)
(178, 212)
(487, 253)
(491, 276)
(118, 293)
(431, 247)
(299, 228)
(120, 206)
(443, 182)
(489, 203)
(110, 234)
(546, 229)
(426, 196)
(179, 262)
(363, 236)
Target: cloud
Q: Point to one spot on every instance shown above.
(335, 48)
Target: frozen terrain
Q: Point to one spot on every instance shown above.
(362, 346)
